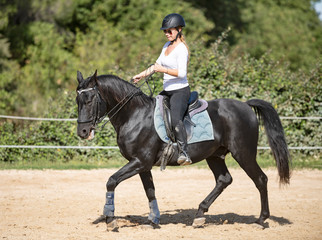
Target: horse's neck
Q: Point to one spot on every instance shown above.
(129, 117)
(127, 108)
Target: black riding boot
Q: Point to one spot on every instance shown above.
(181, 138)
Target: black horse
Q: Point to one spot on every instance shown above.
(235, 127)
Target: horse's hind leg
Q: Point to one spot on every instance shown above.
(223, 179)
(260, 180)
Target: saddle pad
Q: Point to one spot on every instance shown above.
(202, 132)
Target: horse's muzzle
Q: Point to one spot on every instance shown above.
(85, 132)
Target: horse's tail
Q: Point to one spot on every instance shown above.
(275, 134)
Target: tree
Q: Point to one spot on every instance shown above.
(290, 30)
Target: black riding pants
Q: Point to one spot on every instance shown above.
(178, 103)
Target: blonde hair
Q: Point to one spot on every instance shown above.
(184, 42)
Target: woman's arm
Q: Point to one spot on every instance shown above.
(143, 74)
(161, 69)
(155, 68)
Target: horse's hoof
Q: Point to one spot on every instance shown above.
(258, 226)
(199, 222)
(146, 226)
(111, 225)
(155, 226)
(150, 225)
(100, 219)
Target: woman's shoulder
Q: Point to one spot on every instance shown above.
(182, 47)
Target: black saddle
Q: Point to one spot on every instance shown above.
(193, 104)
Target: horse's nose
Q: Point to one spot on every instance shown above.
(83, 132)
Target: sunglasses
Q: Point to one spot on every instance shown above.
(167, 31)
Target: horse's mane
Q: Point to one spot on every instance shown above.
(123, 89)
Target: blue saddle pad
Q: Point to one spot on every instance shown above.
(203, 131)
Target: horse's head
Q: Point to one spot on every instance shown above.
(91, 107)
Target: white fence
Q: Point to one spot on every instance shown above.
(114, 147)
(74, 119)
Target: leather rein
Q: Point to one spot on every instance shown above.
(97, 119)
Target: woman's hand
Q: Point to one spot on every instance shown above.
(137, 78)
(145, 73)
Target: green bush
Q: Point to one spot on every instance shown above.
(214, 75)
(43, 43)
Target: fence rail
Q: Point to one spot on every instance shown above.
(75, 119)
(58, 147)
(115, 147)
(39, 119)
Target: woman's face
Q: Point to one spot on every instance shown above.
(171, 33)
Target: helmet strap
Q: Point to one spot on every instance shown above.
(178, 35)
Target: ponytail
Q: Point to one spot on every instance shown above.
(184, 42)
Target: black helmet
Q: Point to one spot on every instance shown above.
(173, 20)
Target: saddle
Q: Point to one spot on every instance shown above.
(193, 104)
(196, 120)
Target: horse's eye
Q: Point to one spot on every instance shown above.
(89, 98)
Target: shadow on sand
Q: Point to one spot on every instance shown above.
(186, 217)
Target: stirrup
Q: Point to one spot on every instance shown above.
(184, 159)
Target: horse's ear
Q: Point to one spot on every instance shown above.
(95, 76)
(79, 77)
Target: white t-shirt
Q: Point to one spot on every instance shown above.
(177, 59)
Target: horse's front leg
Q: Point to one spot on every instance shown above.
(154, 216)
(129, 170)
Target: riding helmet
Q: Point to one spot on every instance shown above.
(173, 20)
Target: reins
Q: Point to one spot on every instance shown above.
(97, 119)
(129, 96)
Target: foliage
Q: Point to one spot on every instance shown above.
(54, 133)
(272, 52)
(214, 75)
(45, 42)
(290, 30)
(247, 77)
(296, 41)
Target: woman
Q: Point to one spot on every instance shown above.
(173, 62)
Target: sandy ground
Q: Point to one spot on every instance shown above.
(54, 204)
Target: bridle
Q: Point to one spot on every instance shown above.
(97, 119)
